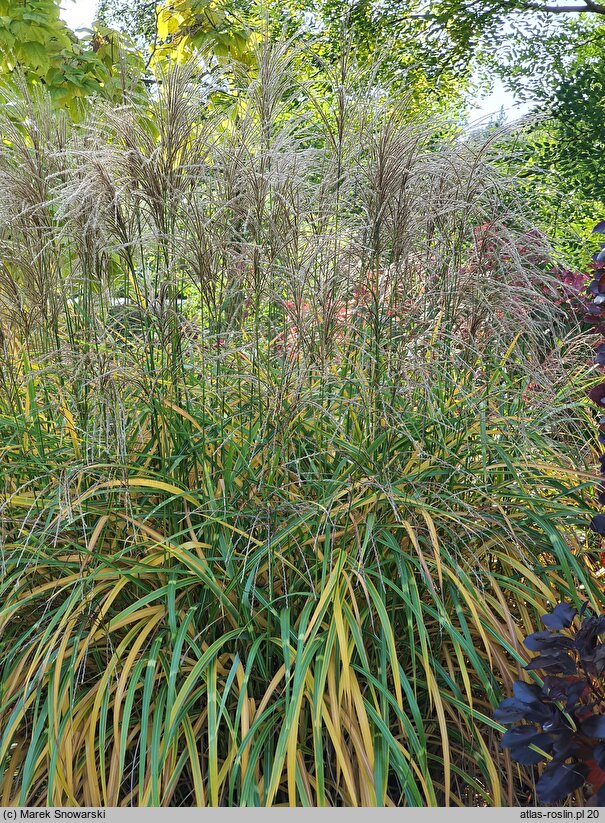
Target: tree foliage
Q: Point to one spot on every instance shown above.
(177, 29)
(36, 44)
(184, 27)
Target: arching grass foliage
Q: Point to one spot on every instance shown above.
(290, 451)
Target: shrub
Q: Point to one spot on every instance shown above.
(565, 722)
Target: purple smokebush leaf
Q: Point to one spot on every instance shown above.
(594, 727)
(597, 394)
(510, 711)
(547, 642)
(555, 664)
(562, 616)
(600, 354)
(526, 692)
(560, 779)
(520, 739)
(562, 718)
(597, 524)
(599, 755)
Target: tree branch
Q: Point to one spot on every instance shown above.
(587, 7)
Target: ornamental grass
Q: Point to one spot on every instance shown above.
(293, 448)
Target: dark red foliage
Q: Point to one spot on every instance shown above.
(597, 394)
(563, 716)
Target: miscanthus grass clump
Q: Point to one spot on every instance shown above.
(290, 449)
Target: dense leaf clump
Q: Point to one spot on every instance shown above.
(288, 431)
